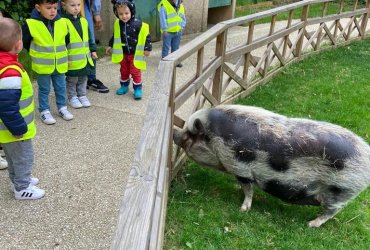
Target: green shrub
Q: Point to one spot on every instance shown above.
(17, 10)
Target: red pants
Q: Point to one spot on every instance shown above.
(128, 68)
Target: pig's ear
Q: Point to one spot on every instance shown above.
(199, 127)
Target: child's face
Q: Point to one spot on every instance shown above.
(124, 13)
(72, 7)
(47, 10)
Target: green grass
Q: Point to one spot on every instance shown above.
(203, 205)
(315, 10)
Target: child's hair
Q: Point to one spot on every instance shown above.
(10, 33)
(119, 3)
(45, 1)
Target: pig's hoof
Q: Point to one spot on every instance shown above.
(315, 223)
(245, 208)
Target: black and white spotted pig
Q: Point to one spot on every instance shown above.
(300, 161)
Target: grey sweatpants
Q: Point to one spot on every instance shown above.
(76, 86)
(20, 158)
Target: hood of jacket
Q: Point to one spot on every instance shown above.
(130, 5)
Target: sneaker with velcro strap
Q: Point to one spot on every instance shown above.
(30, 193)
(97, 85)
(84, 101)
(46, 117)
(65, 114)
(75, 102)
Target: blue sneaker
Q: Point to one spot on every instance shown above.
(122, 90)
(138, 93)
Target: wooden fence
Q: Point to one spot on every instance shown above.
(219, 69)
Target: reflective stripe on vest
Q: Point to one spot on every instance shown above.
(174, 19)
(26, 109)
(78, 49)
(48, 53)
(117, 53)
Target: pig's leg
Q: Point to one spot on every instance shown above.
(247, 187)
(332, 201)
(328, 214)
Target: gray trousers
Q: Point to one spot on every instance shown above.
(20, 158)
(76, 86)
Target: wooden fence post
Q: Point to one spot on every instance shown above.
(219, 52)
(365, 19)
(302, 30)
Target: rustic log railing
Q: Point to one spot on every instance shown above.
(223, 71)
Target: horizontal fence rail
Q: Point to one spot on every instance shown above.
(221, 70)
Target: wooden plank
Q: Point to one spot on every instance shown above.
(177, 121)
(135, 215)
(275, 11)
(235, 76)
(242, 50)
(158, 219)
(318, 20)
(182, 97)
(218, 76)
(247, 56)
(209, 97)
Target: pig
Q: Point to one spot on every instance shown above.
(300, 161)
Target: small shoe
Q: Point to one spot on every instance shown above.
(3, 163)
(30, 193)
(179, 65)
(65, 114)
(138, 93)
(122, 90)
(97, 85)
(33, 182)
(84, 101)
(75, 102)
(47, 118)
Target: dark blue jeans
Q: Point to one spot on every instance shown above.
(171, 41)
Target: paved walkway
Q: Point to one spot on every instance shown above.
(83, 165)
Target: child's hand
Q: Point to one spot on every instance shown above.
(94, 55)
(18, 136)
(146, 53)
(108, 51)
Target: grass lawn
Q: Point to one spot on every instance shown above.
(203, 205)
(244, 7)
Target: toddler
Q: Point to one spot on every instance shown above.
(80, 63)
(17, 123)
(130, 44)
(45, 36)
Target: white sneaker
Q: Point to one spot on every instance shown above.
(84, 101)
(30, 193)
(33, 182)
(47, 118)
(75, 102)
(65, 114)
(3, 163)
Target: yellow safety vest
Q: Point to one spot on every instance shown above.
(174, 19)
(78, 48)
(26, 108)
(139, 58)
(48, 53)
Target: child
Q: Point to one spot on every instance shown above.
(17, 123)
(3, 162)
(45, 36)
(131, 42)
(172, 21)
(80, 63)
